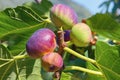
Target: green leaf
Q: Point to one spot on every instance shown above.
(66, 76)
(105, 25)
(4, 52)
(20, 40)
(18, 28)
(6, 69)
(42, 9)
(6, 63)
(25, 67)
(18, 69)
(35, 75)
(18, 24)
(91, 76)
(108, 59)
(48, 74)
(69, 76)
(15, 21)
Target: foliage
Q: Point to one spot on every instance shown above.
(18, 24)
(115, 9)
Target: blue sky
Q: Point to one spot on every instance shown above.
(91, 5)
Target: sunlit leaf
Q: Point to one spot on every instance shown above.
(91, 76)
(18, 24)
(108, 59)
(105, 25)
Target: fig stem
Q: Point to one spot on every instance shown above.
(48, 20)
(69, 43)
(79, 55)
(61, 45)
(61, 41)
(14, 58)
(20, 57)
(83, 69)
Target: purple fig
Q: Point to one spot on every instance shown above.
(63, 16)
(52, 62)
(66, 35)
(40, 43)
(81, 35)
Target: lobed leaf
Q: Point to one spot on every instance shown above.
(91, 76)
(18, 24)
(105, 25)
(108, 59)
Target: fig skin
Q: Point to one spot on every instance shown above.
(63, 16)
(81, 35)
(66, 35)
(40, 43)
(52, 62)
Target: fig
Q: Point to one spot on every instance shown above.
(81, 35)
(52, 62)
(63, 16)
(41, 42)
(66, 35)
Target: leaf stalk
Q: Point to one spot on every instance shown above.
(79, 55)
(83, 69)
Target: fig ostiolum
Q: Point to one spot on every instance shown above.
(40, 43)
(62, 15)
(81, 35)
(52, 62)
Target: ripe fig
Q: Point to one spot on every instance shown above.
(63, 15)
(66, 35)
(40, 43)
(81, 35)
(52, 62)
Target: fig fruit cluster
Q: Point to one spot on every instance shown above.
(43, 42)
(41, 45)
(78, 33)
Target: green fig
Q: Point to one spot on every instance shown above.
(81, 35)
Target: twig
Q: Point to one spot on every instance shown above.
(61, 42)
(61, 45)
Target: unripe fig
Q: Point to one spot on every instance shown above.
(81, 35)
(62, 15)
(40, 43)
(66, 35)
(52, 62)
